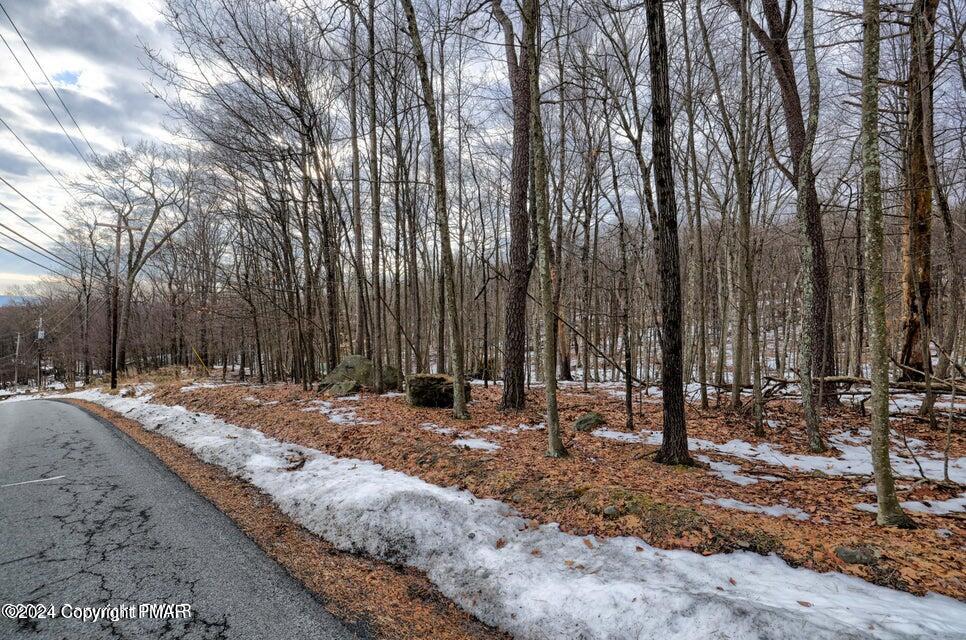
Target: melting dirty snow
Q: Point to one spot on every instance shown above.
(775, 511)
(854, 457)
(934, 507)
(529, 581)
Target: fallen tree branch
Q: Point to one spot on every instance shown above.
(942, 386)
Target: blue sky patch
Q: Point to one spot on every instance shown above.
(67, 77)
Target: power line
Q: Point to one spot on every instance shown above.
(44, 267)
(39, 161)
(39, 230)
(35, 205)
(47, 78)
(30, 246)
(91, 275)
(44, 100)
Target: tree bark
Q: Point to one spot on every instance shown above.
(890, 513)
(917, 201)
(514, 380)
(555, 446)
(442, 217)
(674, 444)
(375, 197)
(775, 43)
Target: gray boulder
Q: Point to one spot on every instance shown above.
(355, 372)
(589, 421)
(861, 554)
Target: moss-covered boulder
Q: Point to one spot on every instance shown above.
(589, 421)
(432, 390)
(343, 388)
(355, 372)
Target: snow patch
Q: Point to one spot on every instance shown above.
(475, 443)
(729, 472)
(464, 439)
(775, 511)
(523, 426)
(336, 415)
(623, 436)
(435, 428)
(854, 458)
(934, 507)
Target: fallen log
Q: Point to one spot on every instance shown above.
(938, 386)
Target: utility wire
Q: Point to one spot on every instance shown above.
(38, 229)
(35, 205)
(36, 248)
(39, 161)
(51, 84)
(44, 267)
(44, 100)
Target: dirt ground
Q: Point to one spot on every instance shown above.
(612, 488)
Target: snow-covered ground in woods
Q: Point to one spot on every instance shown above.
(730, 472)
(482, 554)
(336, 415)
(435, 428)
(776, 510)
(935, 507)
(476, 443)
(464, 439)
(21, 395)
(854, 457)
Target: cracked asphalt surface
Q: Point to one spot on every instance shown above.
(120, 528)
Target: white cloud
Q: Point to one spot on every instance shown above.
(91, 51)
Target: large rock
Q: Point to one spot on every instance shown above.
(432, 390)
(355, 372)
(860, 554)
(589, 421)
(343, 388)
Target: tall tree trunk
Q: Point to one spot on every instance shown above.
(360, 336)
(890, 513)
(674, 444)
(442, 217)
(857, 314)
(745, 186)
(520, 265)
(774, 41)
(698, 222)
(376, 204)
(806, 183)
(955, 278)
(917, 201)
(555, 446)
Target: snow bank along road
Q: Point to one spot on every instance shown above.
(89, 518)
(481, 554)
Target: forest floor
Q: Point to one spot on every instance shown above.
(767, 495)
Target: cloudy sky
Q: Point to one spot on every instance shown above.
(92, 52)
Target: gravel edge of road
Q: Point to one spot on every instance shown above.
(372, 598)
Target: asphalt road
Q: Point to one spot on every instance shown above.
(88, 518)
